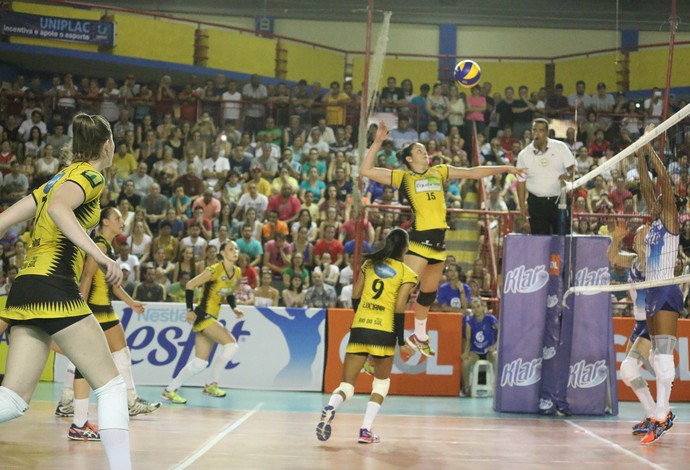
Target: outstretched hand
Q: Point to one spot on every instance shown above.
(382, 132)
(521, 172)
(138, 307)
(620, 231)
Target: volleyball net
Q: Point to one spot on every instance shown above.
(621, 197)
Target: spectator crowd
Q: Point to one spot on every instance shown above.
(270, 166)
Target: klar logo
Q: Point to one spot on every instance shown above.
(521, 373)
(522, 280)
(597, 277)
(583, 375)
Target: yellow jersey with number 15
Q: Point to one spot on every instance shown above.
(51, 253)
(427, 195)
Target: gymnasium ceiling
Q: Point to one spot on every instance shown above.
(648, 15)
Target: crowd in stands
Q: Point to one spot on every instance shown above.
(271, 168)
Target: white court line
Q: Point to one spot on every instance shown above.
(216, 439)
(615, 446)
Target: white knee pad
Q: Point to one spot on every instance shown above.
(380, 386)
(11, 405)
(197, 365)
(71, 367)
(112, 405)
(346, 389)
(630, 373)
(665, 344)
(228, 351)
(664, 367)
(122, 358)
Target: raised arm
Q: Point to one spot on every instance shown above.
(669, 212)
(367, 168)
(616, 257)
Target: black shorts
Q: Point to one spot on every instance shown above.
(109, 324)
(49, 325)
(428, 244)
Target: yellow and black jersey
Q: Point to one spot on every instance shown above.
(427, 195)
(46, 286)
(373, 328)
(101, 294)
(218, 288)
(50, 252)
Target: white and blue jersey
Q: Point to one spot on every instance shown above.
(482, 334)
(662, 251)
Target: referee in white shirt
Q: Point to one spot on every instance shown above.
(549, 164)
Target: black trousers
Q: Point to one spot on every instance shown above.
(543, 215)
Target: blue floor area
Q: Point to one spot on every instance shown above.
(312, 402)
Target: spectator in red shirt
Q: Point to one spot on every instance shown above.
(286, 204)
(619, 194)
(507, 139)
(597, 148)
(329, 244)
(348, 230)
(210, 204)
(277, 255)
(204, 223)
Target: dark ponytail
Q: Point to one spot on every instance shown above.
(396, 243)
(105, 213)
(404, 153)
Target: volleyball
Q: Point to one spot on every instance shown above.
(467, 73)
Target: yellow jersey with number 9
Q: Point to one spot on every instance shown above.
(51, 253)
(382, 282)
(427, 195)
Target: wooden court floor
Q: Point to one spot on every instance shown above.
(275, 430)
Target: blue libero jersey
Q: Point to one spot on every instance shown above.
(482, 334)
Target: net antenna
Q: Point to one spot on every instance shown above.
(372, 76)
(370, 97)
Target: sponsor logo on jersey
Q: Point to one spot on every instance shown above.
(384, 271)
(429, 184)
(584, 375)
(525, 280)
(519, 373)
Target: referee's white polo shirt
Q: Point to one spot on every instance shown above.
(544, 168)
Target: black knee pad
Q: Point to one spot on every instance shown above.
(426, 298)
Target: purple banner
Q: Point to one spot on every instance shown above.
(523, 310)
(592, 387)
(552, 358)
